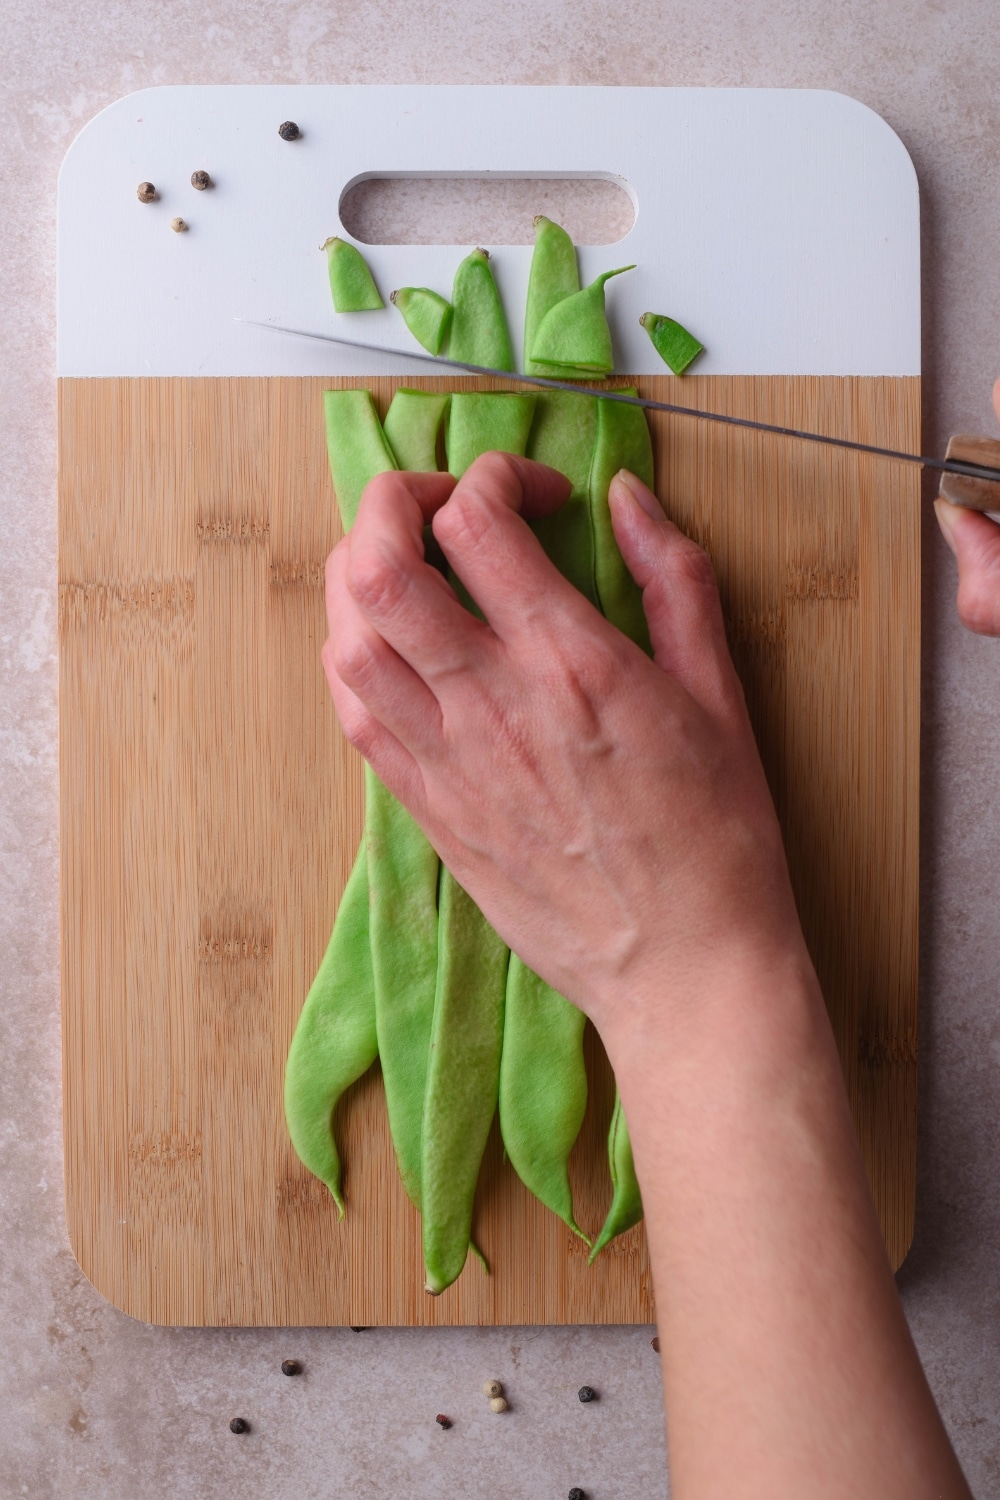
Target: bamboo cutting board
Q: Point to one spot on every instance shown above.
(210, 810)
(211, 813)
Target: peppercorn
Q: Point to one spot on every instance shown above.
(358, 1329)
(145, 192)
(587, 1393)
(498, 1404)
(576, 1493)
(443, 1421)
(492, 1388)
(201, 181)
(656, 1344)
(239, 1424)
(289, 131)
(291, 1367)
(178, 226)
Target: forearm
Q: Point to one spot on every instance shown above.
(788, 1367)
(610, 816)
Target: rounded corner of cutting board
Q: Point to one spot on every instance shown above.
(901, 1253)
(113, 1295)
(880, 127)
(91, 127)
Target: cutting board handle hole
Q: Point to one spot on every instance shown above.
(452, 209)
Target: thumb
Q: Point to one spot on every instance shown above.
(975, 541)
(680, 596)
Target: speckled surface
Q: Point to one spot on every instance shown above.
(93, 1405)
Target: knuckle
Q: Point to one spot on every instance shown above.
(598, 672)
(694, 565)
(465, 520)
(495, 467)
(376, 582)
(353, 659)
(359, 728)
(382, 487)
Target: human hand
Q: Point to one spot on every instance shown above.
(608, 813)
(975, 541)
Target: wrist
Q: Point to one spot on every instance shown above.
(747, 1010)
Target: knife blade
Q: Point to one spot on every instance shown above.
(977, 472)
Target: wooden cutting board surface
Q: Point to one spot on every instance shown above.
(210, 813)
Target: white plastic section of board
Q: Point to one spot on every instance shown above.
(781, 226)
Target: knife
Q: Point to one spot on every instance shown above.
(969, 469)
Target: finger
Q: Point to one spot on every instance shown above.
(427, 491)
(680, 596)
(483, 532)
(975, 541)
(371, 670)
(392, 763)
(404, 599)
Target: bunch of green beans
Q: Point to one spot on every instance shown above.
(413, 973)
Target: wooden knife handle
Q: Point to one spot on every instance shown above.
(962, 489)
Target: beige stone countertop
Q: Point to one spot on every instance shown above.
(94, 1406)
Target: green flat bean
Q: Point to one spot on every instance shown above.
(543, 1080)
(356, 447)
(671, 340)
(403, 876)
(563, 435)
(553, 277)
(479, 333)
(626, 1201)
(575, 332)
(426, 314)
(623, 442)
(543, 1087)
(486, 422)
(462, 1079)
(412, 426)
(335, 1042)
(351, 282)
(402, 868)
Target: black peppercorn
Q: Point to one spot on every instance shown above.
(201, 181)
(291, 1367)
(443, 1421)
(239, 1424)
(587, 1393)
(362, 1329)
(145, 192)
(656, 1344)
(289, 131)
(576, 1493)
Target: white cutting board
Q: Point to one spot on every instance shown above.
(781, 224)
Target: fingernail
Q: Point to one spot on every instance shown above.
(947, 515)
(640, 494)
